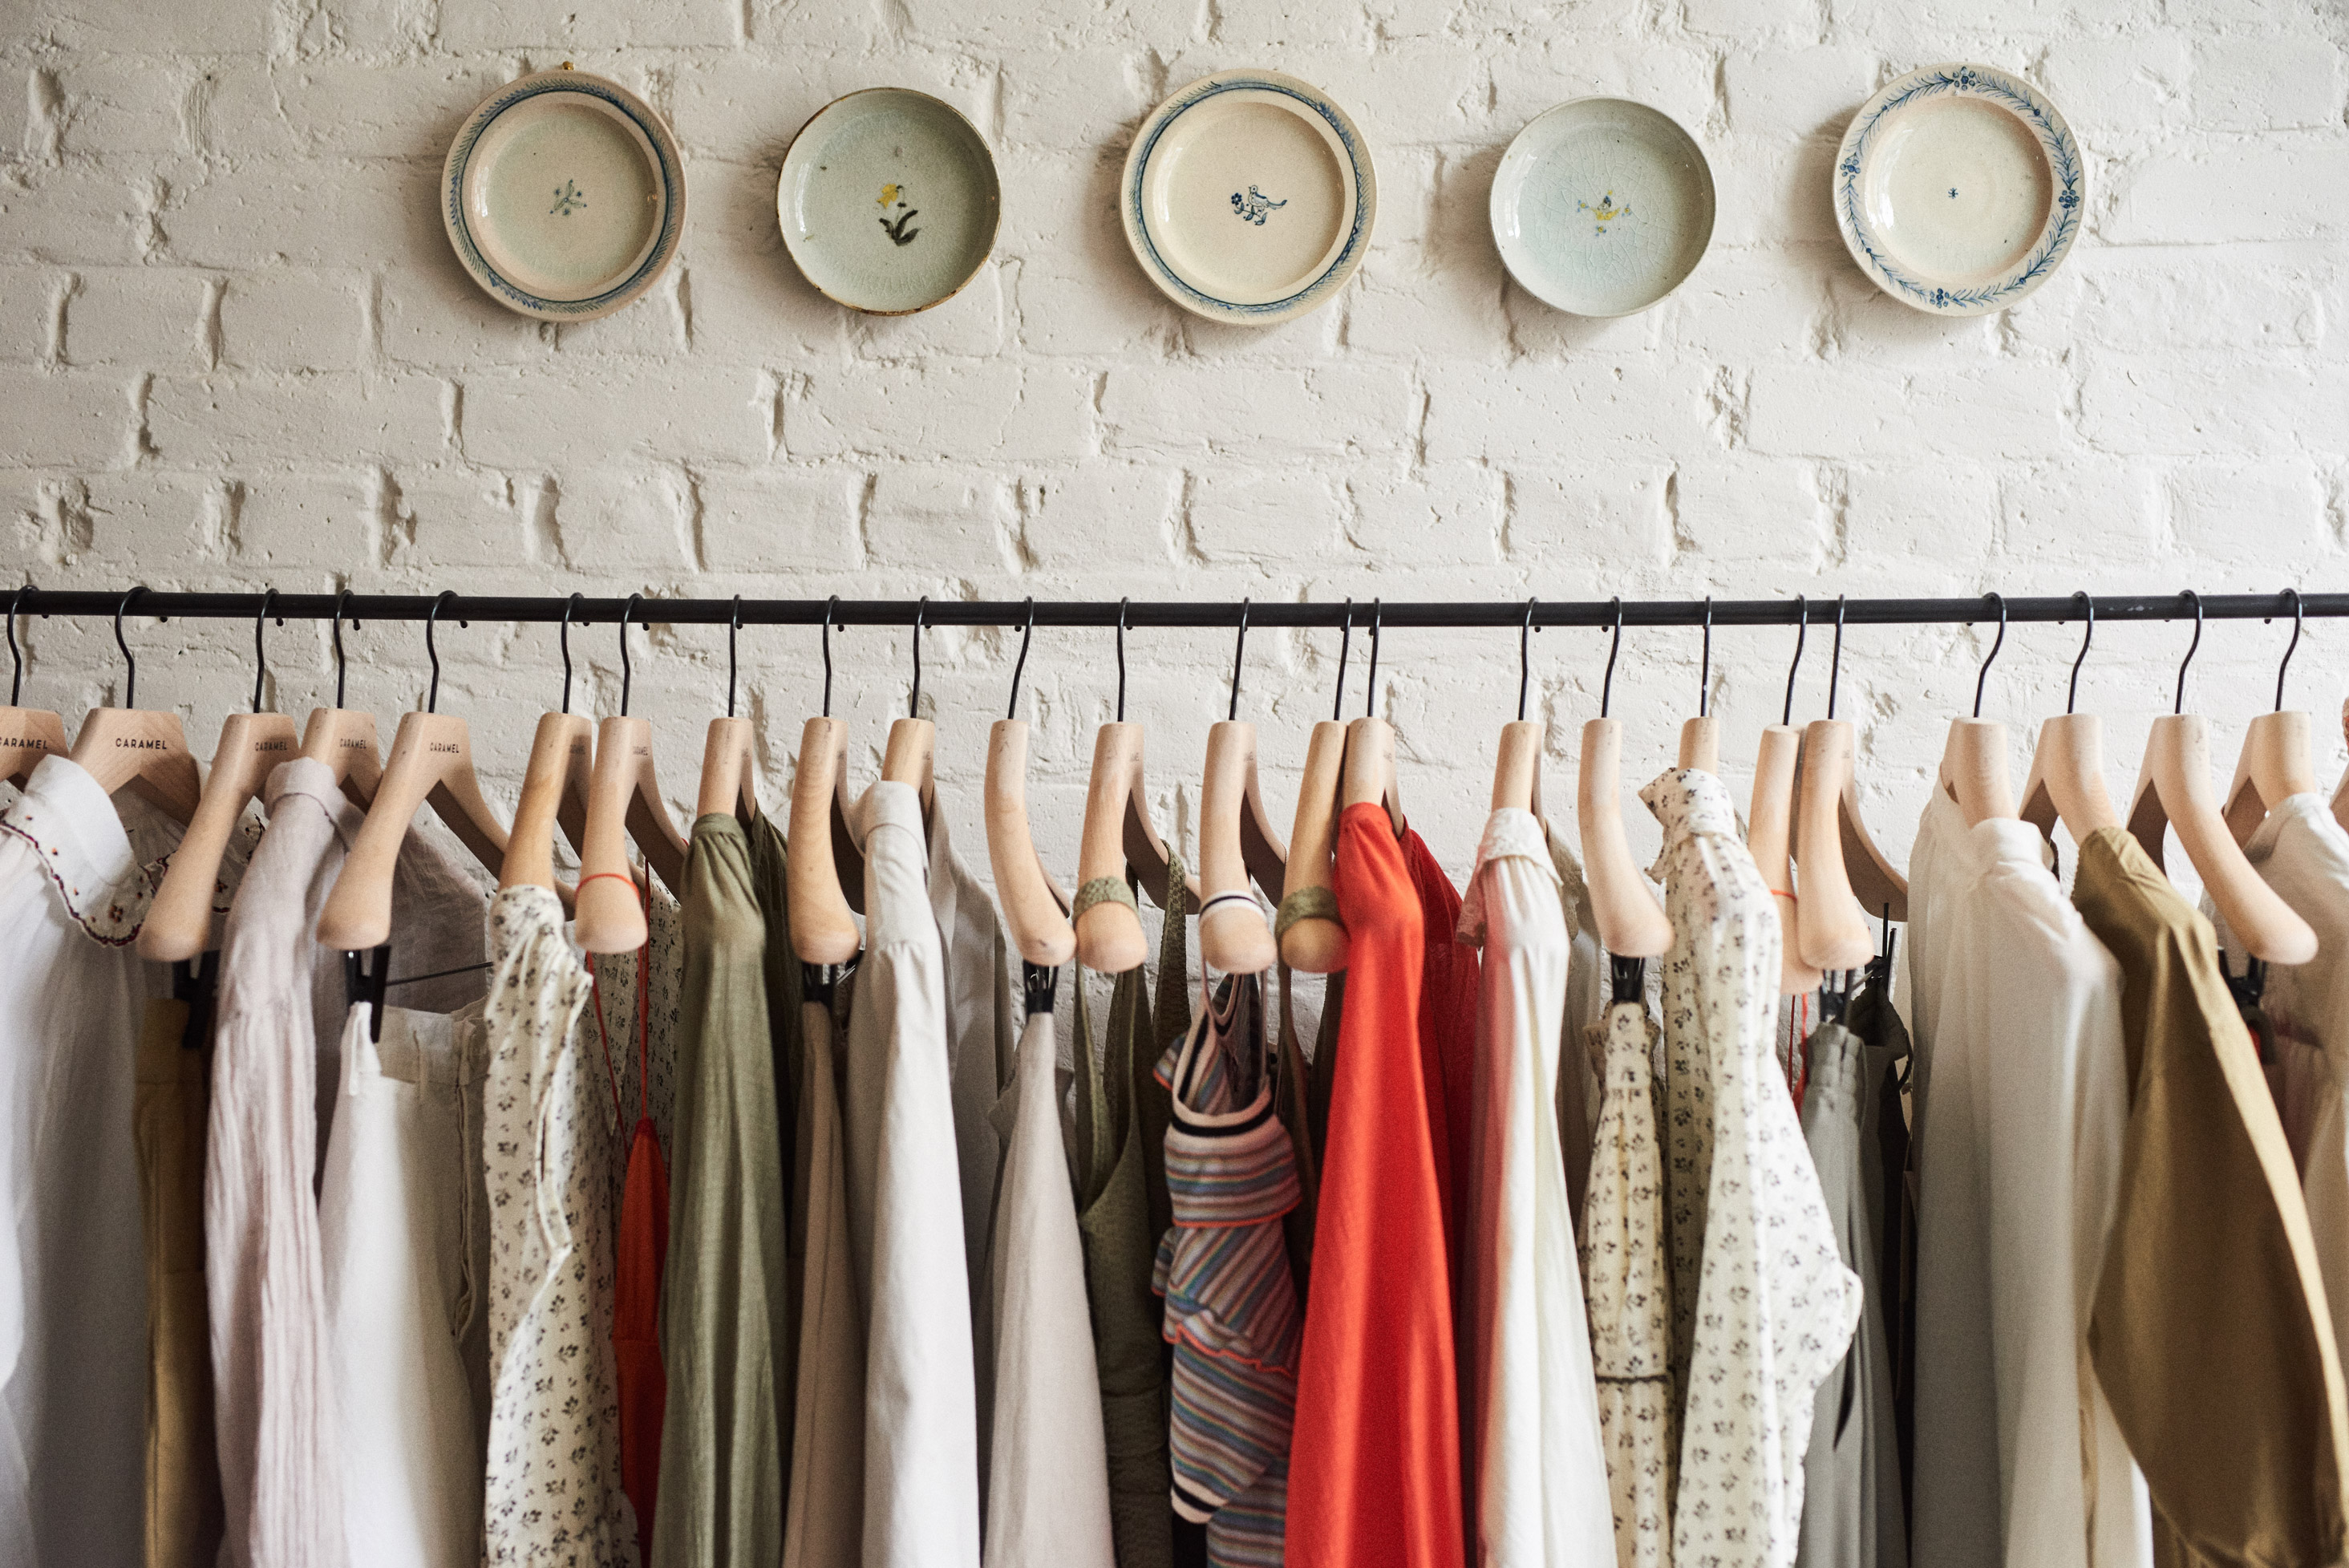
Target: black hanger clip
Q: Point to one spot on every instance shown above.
(196, 982)
(1041, 984)
(1629, 977)
(366, 975)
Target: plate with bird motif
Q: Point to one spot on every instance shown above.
(564, 195)
(889, 201)
(1248, 197)
(1958, 188)
(1602, 206)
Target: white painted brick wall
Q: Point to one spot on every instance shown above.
(236, 351)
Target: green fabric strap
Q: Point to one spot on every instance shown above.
(1306, 904)
(1101, 890)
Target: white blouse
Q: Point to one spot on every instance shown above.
(1774, 1306)
(1541, 1497)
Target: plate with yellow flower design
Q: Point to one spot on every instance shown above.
(564, 195)
(889, 201)
(1602, 206)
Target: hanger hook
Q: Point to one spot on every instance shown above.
(831, 609)
(1607, 686)
(733, 630)
(563, 635)
(1525, 658)
(342, 668)
(16, 656)
(1027, 635)
(130, 664)
(2195, 600)
(2290, 649)
(431, 650)
(1704, 669)
(921, 612)
(1835, 663)
(627, 666)
(1120, 660)
(1345, 646)
(1370, 697)
(1982, 674)
(260, 650)
(1802, 633)
(2072, 694)
(1240, 651)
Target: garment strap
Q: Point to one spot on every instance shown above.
(1101, 890)
(1306, 904)
(1238, 896)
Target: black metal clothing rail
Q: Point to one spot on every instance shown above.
(1137, 613)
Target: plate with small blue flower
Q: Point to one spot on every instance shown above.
(1959, 189)
(1248, 197)
(564, 195)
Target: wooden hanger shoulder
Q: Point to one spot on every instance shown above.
(1701, 745)
(1035, 909)
(1631, 923)
(2278, 760)
(1874, 880)
(1109, 930)
(1770, 837)
(1973, 769)
(562, 754)
(178, 923)
(624, 802)
(1516, 767)
(1233, 937)
(823, 924)
(2174, 791)
(1830, 927)
(727, 771)
(1313, 945)
(142, 751)
(2066, 781)
(344, 741)
(431, 759)
(2341, 794)
(27, 735)
(1371, 777)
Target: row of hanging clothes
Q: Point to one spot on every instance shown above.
(726, 1202)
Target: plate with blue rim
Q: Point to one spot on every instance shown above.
(1248, 197)
(889, 201)
(1959, 189)
(1602, 206)
(564, 195)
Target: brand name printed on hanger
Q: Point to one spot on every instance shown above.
(451, 746)
(353, 743)
(132, 743)
(578, 748)
(643, 751)
(275, 745)
(22, 743)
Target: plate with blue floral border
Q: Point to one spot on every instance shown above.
(564, 195)
(1958, 188)
(1248, 197)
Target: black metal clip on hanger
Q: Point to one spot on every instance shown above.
(1627, 977)
(196, 982)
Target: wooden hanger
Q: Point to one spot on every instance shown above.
(431, 759)
(1843, 873)
(344, 741)
(1700, 736)
(1516, 767)
(2278, 756)
(1035, 908)
(2066, 781)
(727, 764)
(1121, 842)
(824, 870)
(26, 735)
(624, 802)
(1770, 821)
(134, 749)
(1237, 844)
(1312, 944)
(1631, 923)
(1973, 759)
(180, 922)
(2341, 793)
(2173, 790)
(555, 787)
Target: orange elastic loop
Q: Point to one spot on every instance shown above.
(1774, 893)
(615, 876)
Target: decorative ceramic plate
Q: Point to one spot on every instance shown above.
(564, 195)
(889, 201)
(1958, 188)
(1248, 197)
(1602, 206)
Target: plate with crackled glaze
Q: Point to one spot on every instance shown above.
(889, 201)
(1248, 197)
(1958, 188)
(1602, 206)
(564, 195)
